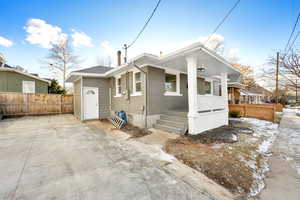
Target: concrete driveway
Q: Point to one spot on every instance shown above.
(58, 157)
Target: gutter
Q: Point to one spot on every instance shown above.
(145, 93)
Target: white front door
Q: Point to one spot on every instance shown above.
(91, 104)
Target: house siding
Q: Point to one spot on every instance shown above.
(157, 101)
(103, 90)
(131, 104)
(12, 82)
(77, 99)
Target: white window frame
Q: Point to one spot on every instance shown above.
(24, 82)
(177, 73)
(117, 86)
(206, 79)
(134, 92)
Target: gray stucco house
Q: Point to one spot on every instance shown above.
(15, 80)
(186, 89)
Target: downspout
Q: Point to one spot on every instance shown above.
(145, 93)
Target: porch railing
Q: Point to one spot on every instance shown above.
(209, 103)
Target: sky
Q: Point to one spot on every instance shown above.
(98, 28)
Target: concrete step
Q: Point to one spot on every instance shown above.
(176, 124)
(169, 129)
(173, 118)
(176, 113)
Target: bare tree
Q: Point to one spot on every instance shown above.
(104, 61)
(247, 77)
(289, 70)
(61, 60)
(2, 58)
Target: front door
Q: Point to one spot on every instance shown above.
(91, 104)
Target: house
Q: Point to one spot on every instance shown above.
(184, 89)
(239, 94)
(16, 80)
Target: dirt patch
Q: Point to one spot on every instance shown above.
(220, 155)
(135, 131)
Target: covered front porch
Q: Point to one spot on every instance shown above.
(207, 76)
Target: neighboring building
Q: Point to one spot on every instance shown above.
(183, 89)
(238, 94)
(15, 80)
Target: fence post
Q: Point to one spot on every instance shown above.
(61, 101)
(26, 103)
(245, 110)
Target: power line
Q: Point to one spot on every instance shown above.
(147, 22)
(291, 46)
(292, 33)
(223, 20)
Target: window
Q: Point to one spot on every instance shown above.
(217, 88)
(28, 86)
(137, 83)
(207, 87)
(204, 87)
(118, 86)
(170, 83)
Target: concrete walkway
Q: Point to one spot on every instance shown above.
(283, 181)
(58, 157)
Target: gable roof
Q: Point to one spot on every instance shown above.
(8, 68)
(146, 59)
(96, 70)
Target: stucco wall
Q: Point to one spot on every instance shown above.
(103, 90)
(158, 102)
(12, 82)
(129, 104)
(77, 99)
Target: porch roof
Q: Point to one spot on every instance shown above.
(212, 63)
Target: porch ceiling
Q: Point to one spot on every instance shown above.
(213, 66)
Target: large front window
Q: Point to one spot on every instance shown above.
(170, 83)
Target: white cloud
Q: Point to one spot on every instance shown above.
(81, 39)
(108, 49)
(109, 54)
(5, 42)
(43, 34)
(213, 41)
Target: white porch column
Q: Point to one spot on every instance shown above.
(192, 92)
(224, 88)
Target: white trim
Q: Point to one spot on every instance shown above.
(25, 74)
(134, 92)
(26, 82)
(97, 105)
(177, 73)
(81, 99)
(117, 86)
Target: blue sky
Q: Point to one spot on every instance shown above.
(254, 30)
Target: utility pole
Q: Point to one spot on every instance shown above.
(277, 72)
(125, 58)
(296, 91)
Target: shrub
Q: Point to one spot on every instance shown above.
(234, 113)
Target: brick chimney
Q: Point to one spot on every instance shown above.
(119, 58)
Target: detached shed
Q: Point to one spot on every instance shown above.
(14, 80)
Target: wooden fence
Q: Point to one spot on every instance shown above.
(260, 111)
(35, 104)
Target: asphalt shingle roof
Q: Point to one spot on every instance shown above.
(96, 69)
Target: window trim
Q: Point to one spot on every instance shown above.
(177, 73)
(206, 79)
(24, 81)
(134, 82)
(117, 86)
